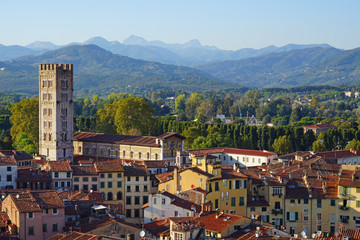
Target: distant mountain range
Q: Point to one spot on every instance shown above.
(137, 66)
(191, 53)
(98, 71)
(312, 66)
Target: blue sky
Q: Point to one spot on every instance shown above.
(227, 24)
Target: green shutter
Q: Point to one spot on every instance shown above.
(296, 216)
(244, 183)
(210, 188)
(230, 184)
(281, 222)
(241, 202)
(287, 216)
(233, 200)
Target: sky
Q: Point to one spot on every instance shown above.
(226, 24)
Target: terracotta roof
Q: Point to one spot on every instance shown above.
(224, 220)
(158, 228)
(104, 222)
(155, 164)
(108, 166)
(136, 170)
(83, 170)
(4, 220)
(117, 139)
(85, 196)
(16, 154)
(35, 201)
(170, 134)
(179, 202)
(232, 151)
(321, 125)
(75, 236)
(163, 177)
(351, 233)
(249, 232)
(7, 160)
(59, 166)
(338, 154)
(32, 174)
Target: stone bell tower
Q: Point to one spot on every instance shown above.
(56, 111)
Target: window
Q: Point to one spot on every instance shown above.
(233, 200)
(139, 155)
(179, 236)
(137, 200)
(119, 175)
(145, 188)
(44, 227)
(137, 179)
(131, 154)
(176, 213)
(94, 187)
(227, 196)
(137, 213)
(306, 201)
(306, 218)
(163, 201)
(292, 216)
(216, 203)
(64, 84)
(44, 83)
(55, 211)
(128, 200)
(145, 199)
(102, 175)
(277, 191)
(85, 186)
(8, 178)
(64, 125)
(128, 212)
(148, 155)
(50, 84)
(128, 188)
(241, 201)
(30, 215)
(49, 112)
(76, 187)
(119, 195)
(68, 174)
(306, 210)
(332, 218)
(357, 204)
(216, 186)
(56, 184)
(318, 204)
(31, 230)
(85, 179)
(167, 187)
(46, 211)
(156, 156)
(102, 184)
(222, 196)
(145, 179)
(54, 227)
(110, 196)
(332, 202)
(109, 175)
(292, 201)
(319, 216)
(8, 169)
(155, 201)
(128, 179)
(109, 184)
(224, 182)
(50, 97)
(94, 179)
(119, 184)
(263, 209)
(137, 188)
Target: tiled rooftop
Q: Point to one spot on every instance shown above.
(59, 166)
(232, 151)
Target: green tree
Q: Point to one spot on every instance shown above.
(23, 142)
(192, 103)
(180, 103)
(282, 145)
(318, 146)
(191, 134)
(353, 144)
(133, 116)
(25, 119)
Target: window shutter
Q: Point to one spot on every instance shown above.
(244, 183)
(230, 183)
(287, 216)
(296, 216)
(281, 222)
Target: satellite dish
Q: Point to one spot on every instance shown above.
(142, 233)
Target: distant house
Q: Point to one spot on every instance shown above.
(164, 204)
(36, 214)
(21, 157)
(8, 172)
(34, 179)
(61, 173)
(319, 128)
(341, 157)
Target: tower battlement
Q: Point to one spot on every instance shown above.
(56, 66)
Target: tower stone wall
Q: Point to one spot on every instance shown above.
(56, 125)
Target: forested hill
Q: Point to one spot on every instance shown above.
(101, 72)
(313, 66)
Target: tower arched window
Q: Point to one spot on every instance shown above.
(139, 155)
(119, 196)
(156, 156)
(124, 153)
(148, 155)
(116, 153)
(49, 136)
(44, 136)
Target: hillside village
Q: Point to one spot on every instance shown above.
(88, 185)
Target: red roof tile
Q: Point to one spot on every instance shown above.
(158, 228)
(59, 166)
(211, 223)
(232, 151)
(83, 170)
(4, 220)
(109, 166)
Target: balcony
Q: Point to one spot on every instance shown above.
(277, 211)
(344, 207)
